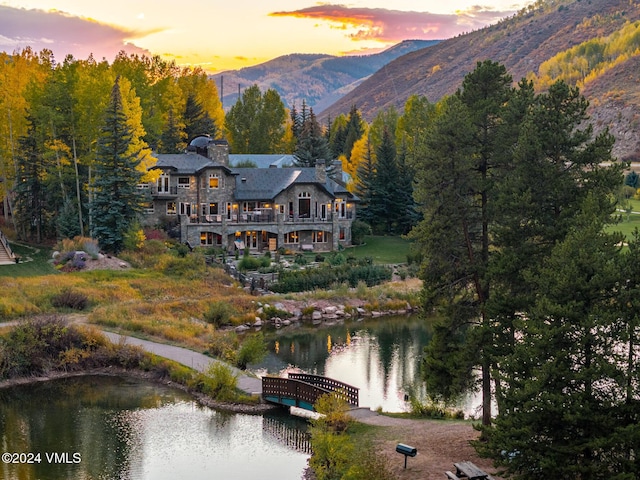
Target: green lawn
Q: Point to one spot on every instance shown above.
(35, 262)
(383, 249)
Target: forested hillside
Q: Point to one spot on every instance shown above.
(591, 43)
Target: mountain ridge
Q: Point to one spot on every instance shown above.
(314, 78)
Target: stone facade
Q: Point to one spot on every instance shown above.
(211, 204)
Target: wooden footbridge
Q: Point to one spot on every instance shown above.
(302, 390)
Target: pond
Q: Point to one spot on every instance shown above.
(381, 356)
(106, 428)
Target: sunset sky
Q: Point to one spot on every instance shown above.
(227, 35)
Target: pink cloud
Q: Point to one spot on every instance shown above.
(386, 25)
(63, 34)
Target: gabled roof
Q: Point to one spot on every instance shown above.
(185, 163)
(267, 183)
(263, 183)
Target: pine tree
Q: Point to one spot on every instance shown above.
(173, 135)
(364, 187)
(383, 206)
(406, 209)
(196, 120)
(457, 179)
(116, 201)
(30, 200)
(312, 145)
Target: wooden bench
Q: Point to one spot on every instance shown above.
(306, 247)
(451, 475)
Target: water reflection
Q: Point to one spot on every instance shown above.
(379, 356)
(126, 429)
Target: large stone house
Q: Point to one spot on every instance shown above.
(260, 209)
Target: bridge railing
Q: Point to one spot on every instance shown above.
(305, 389)
(348, 392)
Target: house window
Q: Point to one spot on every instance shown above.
(251, 239)
(163, 183)
(341, 208)
(184, 182)
(210, 238)
(323, 211)
(343, 233)
(292, 237)
(171, 208)
(214, 181)
(148, 208)
(248, 206)
(186, 208)
(304, 205)
(209, 208)
(318, 237)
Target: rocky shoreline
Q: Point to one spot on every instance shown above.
(286, 312)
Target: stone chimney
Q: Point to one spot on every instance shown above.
(336, 170)
(218, 151)
(321, 171)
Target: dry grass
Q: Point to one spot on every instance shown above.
(142, 302)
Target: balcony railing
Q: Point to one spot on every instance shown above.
(171, 192)
(262, 217)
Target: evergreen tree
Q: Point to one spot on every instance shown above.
(196, 120)
(67, 221)
(457, 177)
(312, 145)
(632, 179)
(355, 129)
(364, 187)
(407, 215)
(383, 206)
(173, 135)
(116, 201)
(563, 413)
(30, 191)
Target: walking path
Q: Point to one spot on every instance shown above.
(189, 358)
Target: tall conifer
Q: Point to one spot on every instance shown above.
(116, 200)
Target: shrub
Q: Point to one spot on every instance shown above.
(335, 410)
(134, 238)
(33, 347)
(219, 382)
(219, 313)
(251, 263)
(224, 345)
(269, 311)
(359, 230)
(252, 350)
(70, 299)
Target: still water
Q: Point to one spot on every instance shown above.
(107, 428)
(380, 356)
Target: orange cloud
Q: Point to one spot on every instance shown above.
(386, 25)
